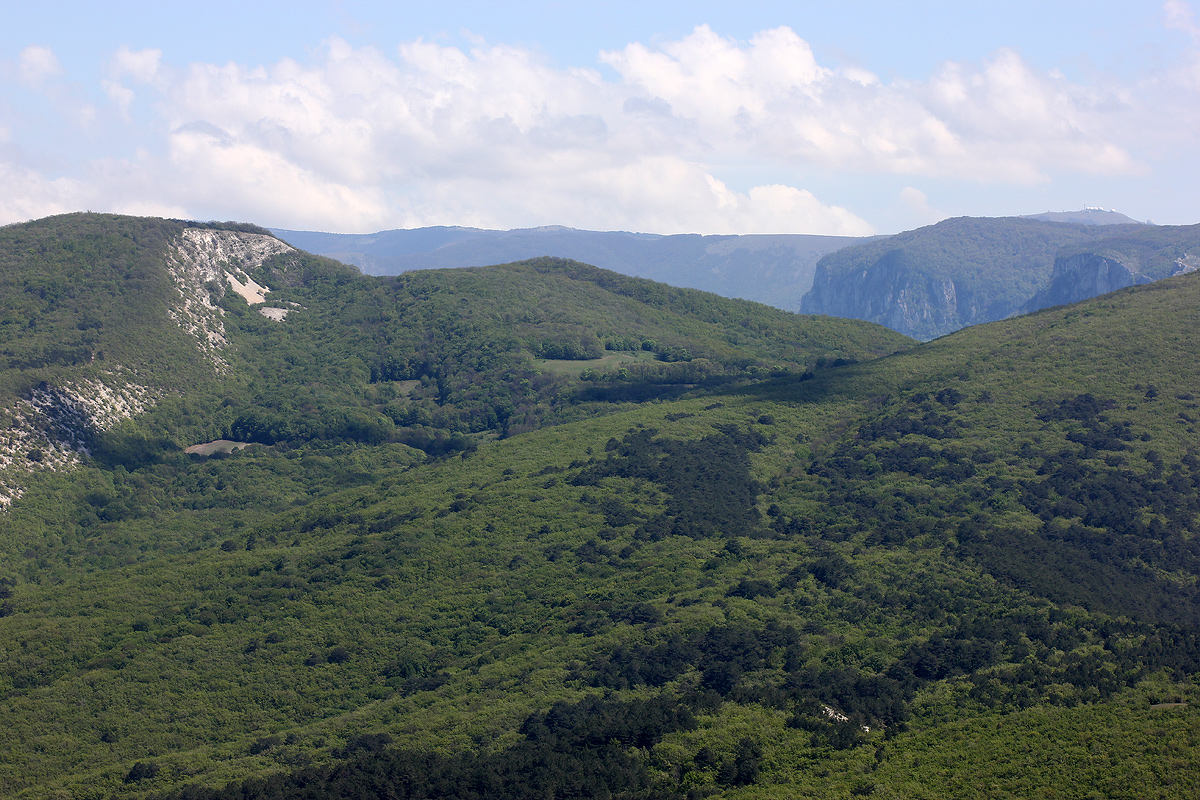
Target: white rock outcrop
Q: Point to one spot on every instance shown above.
(50, 429)
(203, 264)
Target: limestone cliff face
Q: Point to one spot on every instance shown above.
(1083, 275)
(50, 428)
(934, 280)
(897, 293)
(966, 271)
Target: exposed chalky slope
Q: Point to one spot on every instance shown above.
(53, 427)
(202, 263)
(91, 310)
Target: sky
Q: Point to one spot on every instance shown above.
(853, 117)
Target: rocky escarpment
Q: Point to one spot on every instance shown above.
(1080, 276)
(889, 292)
(52, 423)
(897, 292)
(933, 280)
(1084, 275)
(967, 271)
(203, 264)
(52, 427)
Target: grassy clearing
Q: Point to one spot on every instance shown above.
(610, 360)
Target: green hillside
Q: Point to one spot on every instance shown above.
(86, 289)
(776, 269)
(105, 316)
(967, 569)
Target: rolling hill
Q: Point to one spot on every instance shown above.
(776, 269)
(822, 561)
(107, 317)
(923, 283)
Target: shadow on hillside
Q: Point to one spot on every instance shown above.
(850, 383)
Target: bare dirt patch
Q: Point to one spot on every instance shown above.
(218, 446)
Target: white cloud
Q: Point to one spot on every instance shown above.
(120, 94)
(1016, 125)
(358, 139)
(30, 195)
(38, 68)
(492, 137)
(250, 180)
(659, 193)
(915, 210)
(770, 99)
(37, 64)
(1180, 17)
(719, 83)
(141, 65)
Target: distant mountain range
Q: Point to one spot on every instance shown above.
(923, 283)
(776, 269)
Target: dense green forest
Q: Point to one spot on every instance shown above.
(427, 359)
(541, 530)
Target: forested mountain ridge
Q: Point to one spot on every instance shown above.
(107, 317)
(776, 269)
(966, 569)
(965, 271)
(104, 316)
(1135, 256)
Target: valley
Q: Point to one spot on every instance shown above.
(923, 283)
(542, 529)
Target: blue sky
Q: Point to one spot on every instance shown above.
(809, 117)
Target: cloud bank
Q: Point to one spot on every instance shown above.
(656, 138)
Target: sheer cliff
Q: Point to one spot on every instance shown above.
(930, 281)
(1136, 257)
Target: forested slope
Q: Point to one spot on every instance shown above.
(966, 271)
(940, 278)
(776, 269)
(129, 337)
(966, 569)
